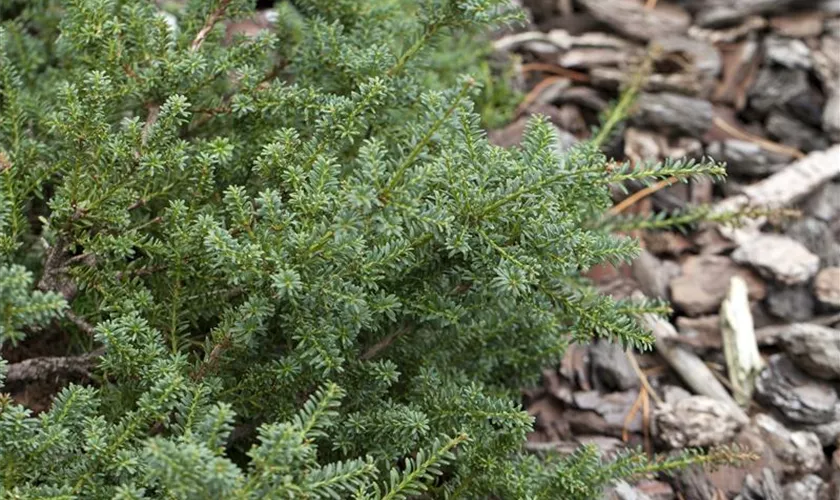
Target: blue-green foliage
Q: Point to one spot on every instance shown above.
(20, 306)
(309, 272)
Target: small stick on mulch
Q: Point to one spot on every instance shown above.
(535, 92)
(555, 69)
(641, 194)
(628, 419)
(688, 365)
(760, 141)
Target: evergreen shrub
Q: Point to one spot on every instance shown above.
(287, 265)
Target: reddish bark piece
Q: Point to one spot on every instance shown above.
(703, 284)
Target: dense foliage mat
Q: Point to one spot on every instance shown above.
(288, 265)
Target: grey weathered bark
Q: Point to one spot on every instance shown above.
(44, 368)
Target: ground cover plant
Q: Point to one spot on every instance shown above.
(288, 265)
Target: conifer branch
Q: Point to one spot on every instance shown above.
(422, 41)
(419, 469)
(421, 145)
(214, 18)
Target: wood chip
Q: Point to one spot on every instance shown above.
(696, 421)
(779, 258)
(632, 19)
(703, 284)
(782, 189)
(814, 349)
(740, 68)
(799, 25)
(788, 52)
(810, 487)
(799, 452)
(743, 361)
(827, 287)
(798, 397)
(673, 114)
(766, 487)
(748, 159)
(723, 12)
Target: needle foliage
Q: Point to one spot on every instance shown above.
(291, 264)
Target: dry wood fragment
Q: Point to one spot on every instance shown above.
(814, 349)
(722, 12)
(798, 397)
(740, 347)
(827, 287)
(728, 34)
(781, 150)
(693, 483)
(799, 25)
(613, 78)
(810, 486)
(516, 40)
(827, 433)
(740, 67)
(696, 421)
(768, 488)
(566, 41)
(799, 452)
(780, 258)
(674, 114)
(688, 365)
(561, 40)
(45, 368)
(780, 190)
(556, 70)
(632, 19)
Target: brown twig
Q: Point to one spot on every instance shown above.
(212, 360)
(53, 266)
(137, 204)
(214, 18)
(130, 72)
(154, 111)
(656, 370)
(5, 164)
(535, 92)
(208, 113)
(634, 410)
(646, 422)
(764, 143)
(86, 258)
(382, 344)
(634, 363)
(641, 194)
(555, 69)
(143, 271)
